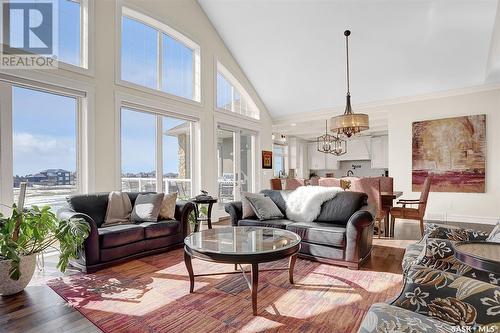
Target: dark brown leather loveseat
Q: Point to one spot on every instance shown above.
(342, 233)
(106, 246)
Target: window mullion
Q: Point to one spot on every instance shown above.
(160, 60)
(6, 149)
(159, 154)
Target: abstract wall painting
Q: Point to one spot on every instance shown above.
(453, 150)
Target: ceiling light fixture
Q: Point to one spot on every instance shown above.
(331, 144)
(349, 123)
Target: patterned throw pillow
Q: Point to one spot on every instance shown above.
(246, 207)
(264, 207)
(167, 209)
(495, 234)
(147, 207)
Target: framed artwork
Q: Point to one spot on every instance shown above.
(453, 150)
(267, 159)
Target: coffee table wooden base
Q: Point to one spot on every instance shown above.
(253, 283)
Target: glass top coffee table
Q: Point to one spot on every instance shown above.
(481, 255)
(239, 246)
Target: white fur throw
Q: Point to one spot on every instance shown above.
(304, 203)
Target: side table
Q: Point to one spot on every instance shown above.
(197, 203)
(481, 255)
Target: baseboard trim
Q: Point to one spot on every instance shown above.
(444, 217)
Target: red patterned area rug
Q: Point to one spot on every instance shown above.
(152, 295)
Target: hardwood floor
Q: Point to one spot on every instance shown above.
(39, 309)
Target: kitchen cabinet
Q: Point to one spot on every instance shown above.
(380, 152)
(358, 149)
(321, 161)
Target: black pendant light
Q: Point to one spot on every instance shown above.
(349, 123)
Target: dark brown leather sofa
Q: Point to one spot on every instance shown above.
(107, 246)
(342, 234)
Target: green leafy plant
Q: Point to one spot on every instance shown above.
(35, 229)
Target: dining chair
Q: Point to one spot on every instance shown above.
(293, 183)
(329, 182)
(371, 186)
(275, 184)
(408, 213)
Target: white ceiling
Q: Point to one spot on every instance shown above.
(293, 51)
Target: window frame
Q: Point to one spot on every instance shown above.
(161, 28)
(158, 113)
(83, 139)
(86, 41)
(236, 85)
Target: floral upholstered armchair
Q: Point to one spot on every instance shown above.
(437, 301)
(440, 293)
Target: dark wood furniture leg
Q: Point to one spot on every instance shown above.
(197, 218)
(255, 286)
(189, 267)
(291, 266)
(209, 215)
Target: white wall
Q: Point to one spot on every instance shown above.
(101, 86)
(461, 207)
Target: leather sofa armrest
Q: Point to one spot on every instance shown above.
(452, 298)
(182, 211)
(235, 211)
(91, 245)
(359, 235)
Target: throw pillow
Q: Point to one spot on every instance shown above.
(147, 207)
(495, 234)
(246, 207)
(167, 210)
(118, 210)
(264, 207)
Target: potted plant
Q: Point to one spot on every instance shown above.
(28, 232)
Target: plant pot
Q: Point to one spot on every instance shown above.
(11, 287)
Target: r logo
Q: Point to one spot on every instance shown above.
(27, 28)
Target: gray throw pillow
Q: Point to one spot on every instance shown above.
(264, 207)
(246, 208)
(495, 234)
(147, 207)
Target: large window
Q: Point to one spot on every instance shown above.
(155, 56)
(70, 32)
(232, 97)
(151, 157)
(44, 129)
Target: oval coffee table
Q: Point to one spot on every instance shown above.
(481, 255)
(239, 246)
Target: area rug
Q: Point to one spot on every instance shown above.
(152, 295)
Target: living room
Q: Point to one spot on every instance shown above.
(220, 166)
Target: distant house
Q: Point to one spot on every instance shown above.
(52, 177)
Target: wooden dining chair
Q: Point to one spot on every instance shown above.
(408, 213)
(275, 184)
(371, 186)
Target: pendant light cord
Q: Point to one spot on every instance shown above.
(346, 34)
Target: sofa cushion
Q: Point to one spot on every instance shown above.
(120, 234)
(161, 228)
(339, 209)
(278, 198)
(319, 233)
(279, 223)
(264, 207)
(382, 317)
(147, 207)
(94, 205)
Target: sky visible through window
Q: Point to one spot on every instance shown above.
(69, 32)
(44, 131)
(139, 143)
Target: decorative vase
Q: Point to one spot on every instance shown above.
(11, 287)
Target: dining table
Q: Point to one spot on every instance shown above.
(387, 203)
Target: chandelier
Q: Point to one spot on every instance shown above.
(331, 144)
(349, 123)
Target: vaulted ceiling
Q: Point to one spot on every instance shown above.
(293, 51)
